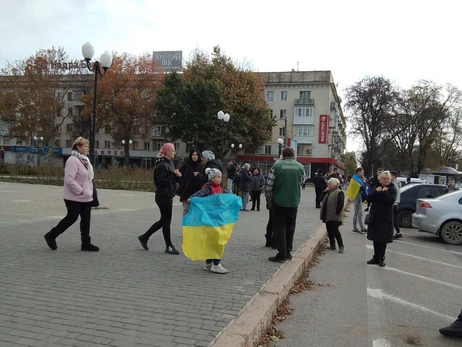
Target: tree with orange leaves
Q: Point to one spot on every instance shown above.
(126, 98)
(34, 91)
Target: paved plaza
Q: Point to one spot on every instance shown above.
(122, 295)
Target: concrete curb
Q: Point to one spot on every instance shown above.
(247, 329)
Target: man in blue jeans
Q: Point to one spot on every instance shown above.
(455, 329)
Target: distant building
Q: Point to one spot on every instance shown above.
(305, 104)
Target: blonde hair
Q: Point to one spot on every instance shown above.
(334, 181)
(385, 174)
(79, 141)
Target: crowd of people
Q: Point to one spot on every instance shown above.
(201, 176)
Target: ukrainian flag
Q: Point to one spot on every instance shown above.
(208, 225)
(353, 188)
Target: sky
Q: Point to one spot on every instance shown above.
(404, 41)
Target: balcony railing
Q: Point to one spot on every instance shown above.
(304, 102)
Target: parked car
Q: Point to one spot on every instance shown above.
(441, 216)
(409, 195)
(402, 181)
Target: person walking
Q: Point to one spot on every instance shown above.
(210, 188)
(78, 196)
(320, 186)
(283, 197)
(331, 213)
(398, 235)
(380, 228)
(165, 180)
(256, 186)
(454, 329)
(190, 180)
(244, 185)
(231, 174)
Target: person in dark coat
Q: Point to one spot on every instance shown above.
(165, 180)
(380, 230)
(331, 213)
(372, 184)
(209, 161)
(320, 186)
(244, 185)
(256, 186)
(190, 178)
(231, 174)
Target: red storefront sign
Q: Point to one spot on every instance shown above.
(323, 128)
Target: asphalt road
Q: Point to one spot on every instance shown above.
(403, 304)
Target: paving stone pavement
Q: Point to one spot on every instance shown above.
(122, 295)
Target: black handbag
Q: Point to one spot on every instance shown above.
(95, 202)
(369, 218)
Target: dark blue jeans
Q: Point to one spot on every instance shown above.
(214, 261)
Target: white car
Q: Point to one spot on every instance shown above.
(441, 216)
(402, 180)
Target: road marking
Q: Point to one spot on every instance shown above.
(381, 343)
(421, 277)
(22, 200)
(379, 294)
(432, 248)
(420, 258)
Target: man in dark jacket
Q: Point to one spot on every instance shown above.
(372, 183)
(244, 185)
(320, 186)
(190, 180)
(209, 161)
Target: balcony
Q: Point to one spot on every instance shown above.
(299, 102)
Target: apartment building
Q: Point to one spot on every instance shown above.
(305, 103)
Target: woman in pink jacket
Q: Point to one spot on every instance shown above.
(78, 196)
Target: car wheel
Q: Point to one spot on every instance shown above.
(451, 233)
(405, 218)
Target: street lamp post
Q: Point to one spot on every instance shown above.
(37, 140)
(126, 151)
(105, 62)
(280, 142)
(239, 146)
(224, 118)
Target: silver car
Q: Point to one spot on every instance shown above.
(441, 216)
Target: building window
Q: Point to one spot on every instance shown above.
(147, 146)
(270, 96)
(70, 111)
(58, 143)
(267, 149)
(284, 95)
(59, 129)
(107, 144)
(68, 128)
(305, 95)
(68, 144)
(282, 114)
(69, 96)
(157, 146)
(306, 113)
(107, 129)
(59, 95)
(300, 149)
(135, 145)
(136, 130)
(177, 146)
(78, 94)
(156, 131)
(281, 131)
(306, 130)
(97, 144)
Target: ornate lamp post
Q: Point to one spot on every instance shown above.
(37, 140)
(280, 142)
(105, 63)
(224, 118)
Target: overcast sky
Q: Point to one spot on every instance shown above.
(403, 40)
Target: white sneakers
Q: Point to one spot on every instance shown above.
(219, 269)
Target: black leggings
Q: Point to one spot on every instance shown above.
(334, 233)
(255, 194)
(74, 210)
(379, 250)
(165, 206)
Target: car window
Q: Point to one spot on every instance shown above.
(460, 201)
(428, 192)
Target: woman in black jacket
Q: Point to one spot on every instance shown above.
(320, 186)
(190, 180)
(380, 228)
(165, 179)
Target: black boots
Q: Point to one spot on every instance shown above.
(87, 246)
(50, 238)
(453, 330)
(376, 261)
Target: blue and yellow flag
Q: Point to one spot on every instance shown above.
(208, 225)
(353, 188)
